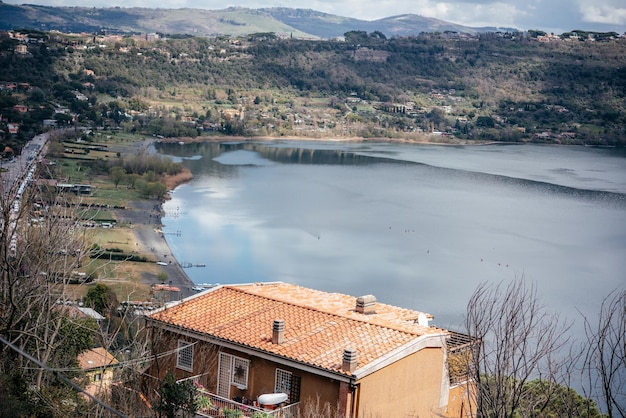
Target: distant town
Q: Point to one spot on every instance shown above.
(198, 100)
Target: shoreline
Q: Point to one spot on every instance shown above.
(146, 218)
(152, 240)
(450, 141)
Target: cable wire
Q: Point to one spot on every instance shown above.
(61, 377)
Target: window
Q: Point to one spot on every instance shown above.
(240, 372)
(97, 377)
(283, 381)
(184, 357)
(287, 382)
(232, 371)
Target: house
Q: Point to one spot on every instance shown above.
(75, 311)
(13, 128)
(360, 357)
(21, 49)
(98, 365)
(232, 114)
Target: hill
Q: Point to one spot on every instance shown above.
(489, 87)
(328, 26)
(234, 21)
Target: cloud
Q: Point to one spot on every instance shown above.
(607, 12)
(481, 14)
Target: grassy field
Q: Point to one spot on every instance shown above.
(107, 193)
(116, 238)
(129, 280)
(97, 215)
(124, 278)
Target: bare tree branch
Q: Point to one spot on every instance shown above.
(605, 358)
(520, 342)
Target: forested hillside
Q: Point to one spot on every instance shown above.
(500, 87)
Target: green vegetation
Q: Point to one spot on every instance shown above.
(176, 397)
(491, 87)
(96, 215)
(117, 176)
(556, 401)
(100, 298)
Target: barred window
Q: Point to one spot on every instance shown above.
(240, 372)
(184, 357)
(287, 382)
(283, 381)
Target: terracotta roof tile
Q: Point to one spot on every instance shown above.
(96, 358)
(319, 326)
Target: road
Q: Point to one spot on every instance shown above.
(19, 172)
(23, 164)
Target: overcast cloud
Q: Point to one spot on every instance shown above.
(549, 15)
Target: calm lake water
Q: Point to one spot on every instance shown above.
(417, 226)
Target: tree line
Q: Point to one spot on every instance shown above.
(522, 85)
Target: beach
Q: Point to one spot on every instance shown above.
(144, 217)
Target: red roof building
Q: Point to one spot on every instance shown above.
(98, 365)
(358, 356)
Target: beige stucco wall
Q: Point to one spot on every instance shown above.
(410, 387)
(96, 387)
(459, 405)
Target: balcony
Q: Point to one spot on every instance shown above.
(226, 408)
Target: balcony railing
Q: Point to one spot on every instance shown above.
(226, 408)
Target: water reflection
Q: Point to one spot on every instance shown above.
(271, 152)
(418, 227)
(219, 158)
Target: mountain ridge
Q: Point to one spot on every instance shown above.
(232, 21)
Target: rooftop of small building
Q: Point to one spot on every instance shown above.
(96, 358)
(318, 326)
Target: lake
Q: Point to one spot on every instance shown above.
(418, 226)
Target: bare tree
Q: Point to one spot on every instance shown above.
(41, 247)
(125, 336)
(520, 342)
(605, 359)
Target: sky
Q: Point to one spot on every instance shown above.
(552, 16)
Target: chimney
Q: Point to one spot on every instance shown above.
(349, 360)
(278, 331)
(366, 304)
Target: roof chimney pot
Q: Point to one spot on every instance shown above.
(278, 331)
(366, 304)
(349, 362)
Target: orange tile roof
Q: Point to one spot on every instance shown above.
(319, 326)
(96, 358)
